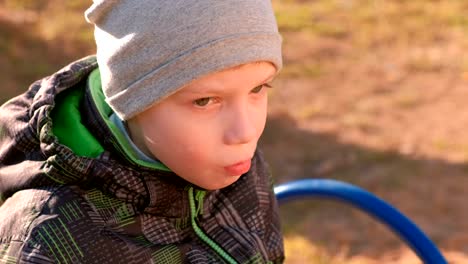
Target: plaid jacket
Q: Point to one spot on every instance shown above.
(61, 207)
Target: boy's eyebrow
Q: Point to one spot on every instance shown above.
(270, 78)
(205, 89)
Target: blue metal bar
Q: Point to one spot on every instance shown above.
(368, 203)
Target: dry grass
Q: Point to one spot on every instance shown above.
(383, 107)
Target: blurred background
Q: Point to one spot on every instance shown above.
(373, 93)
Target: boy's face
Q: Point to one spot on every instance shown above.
(208, 131)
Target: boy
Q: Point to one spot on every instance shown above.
(147, 154)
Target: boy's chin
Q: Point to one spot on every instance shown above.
(218, 185)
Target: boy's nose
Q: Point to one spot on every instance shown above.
(241, 128)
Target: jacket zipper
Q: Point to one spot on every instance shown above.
(194, 212)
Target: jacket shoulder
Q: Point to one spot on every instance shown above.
(31, 224)
(20, 210)
(18, 214)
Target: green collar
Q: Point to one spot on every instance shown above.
(66, 118)
(94, 83)
(67, 121)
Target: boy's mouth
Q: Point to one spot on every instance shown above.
(238, 168)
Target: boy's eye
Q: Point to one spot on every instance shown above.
(202, 101)
(257, 89)
(260, 87)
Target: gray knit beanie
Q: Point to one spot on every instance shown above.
(149, 49)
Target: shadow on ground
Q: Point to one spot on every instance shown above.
(429, 192)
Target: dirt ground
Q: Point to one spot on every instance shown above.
(382, 106)
(373, 93)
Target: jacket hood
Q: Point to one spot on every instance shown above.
(47, 131)
(27, 146)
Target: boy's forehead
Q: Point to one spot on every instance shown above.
(252, 74)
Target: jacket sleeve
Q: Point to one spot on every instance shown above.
(34, 255)
(17, 218)
(24, 252)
